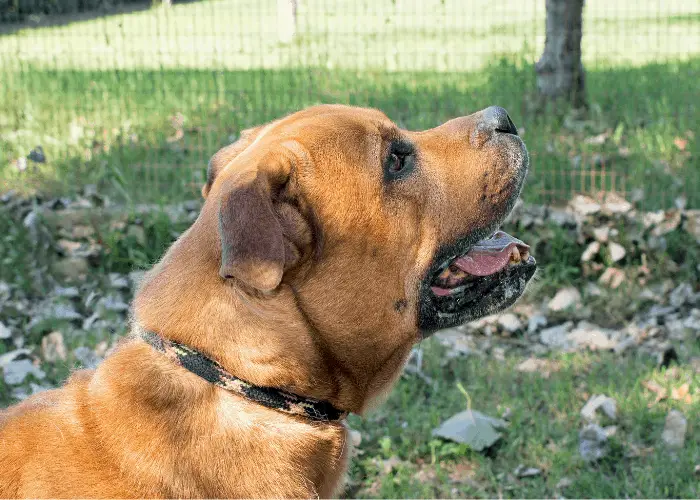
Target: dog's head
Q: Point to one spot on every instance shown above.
(374, 227)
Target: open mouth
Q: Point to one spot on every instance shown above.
(486, 258)
(489, 277)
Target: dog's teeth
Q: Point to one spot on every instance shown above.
(515, 255)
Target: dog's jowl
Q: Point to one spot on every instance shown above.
(329, 243)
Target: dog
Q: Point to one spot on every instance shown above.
(329, 243)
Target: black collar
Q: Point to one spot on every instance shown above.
(214, 373)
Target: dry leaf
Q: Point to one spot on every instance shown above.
(660, 392)
(682, 393)
(680, 143)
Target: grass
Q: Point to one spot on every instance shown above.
(399, 458)
(543, 432)
(100, 95)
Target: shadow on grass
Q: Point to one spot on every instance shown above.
(52, 20)
(147, 135)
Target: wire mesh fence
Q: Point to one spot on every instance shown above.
(136, 97)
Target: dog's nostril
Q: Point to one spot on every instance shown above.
(496, 118)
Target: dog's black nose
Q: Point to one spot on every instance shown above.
(496, 119)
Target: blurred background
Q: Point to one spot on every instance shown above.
(111, 109)
(138, 97)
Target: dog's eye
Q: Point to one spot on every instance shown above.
(398, 165)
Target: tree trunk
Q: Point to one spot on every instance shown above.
(560, 72)
(286, 20)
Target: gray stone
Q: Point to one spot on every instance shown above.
(53, 348)
(71, 268)
(584, 205)
(510, 322)
(86, 357)
(592, 336)
(12, 355)
(5, 332)
(118, 281)
(68, 292)
(15, 372)
(521, 471)
(601, 234)
(561, 218)
(593, 443)
(556, 336)
(535, 322)
(591, 251)
(675, 429)
(599, 402)
(682, 294)
(617, 251)
(22, 393)
(112, 303)
(565, 299)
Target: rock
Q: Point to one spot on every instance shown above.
(599, 401)
(86, 357)
(561, 218)
(651, 219)
(69, 292)
(137, 233)
(625, 344)
(601, 234)
(5, 332)
(593, 443)
(15, 372)
(593, 290)
(556, 336)
(21, 393)
(510, 322)
(136, 277)
(457, 342)
(565, 299)
(521, 471)
(674, 429)
(12, 355)
(535, 322)
(692, 322)
(563, 483)
(536, 365)
(50, 314)
(612, 277)
(592, 336)
(617, 251)
(591, 251)
(112, 303)
(692, 223)
(615, 204)
(355, 437)
(71, 268)
(118, 281)
(681, 295)
(53, 348)
(584, 205)
(37, 155)
(671, 221)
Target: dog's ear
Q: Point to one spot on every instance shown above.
(226, 155)
(251, 232)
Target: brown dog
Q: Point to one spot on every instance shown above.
(329, 243)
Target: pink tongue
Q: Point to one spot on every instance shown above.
(490, 255)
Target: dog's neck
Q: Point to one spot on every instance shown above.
(266, 341)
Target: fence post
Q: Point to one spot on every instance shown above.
(286, 20)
